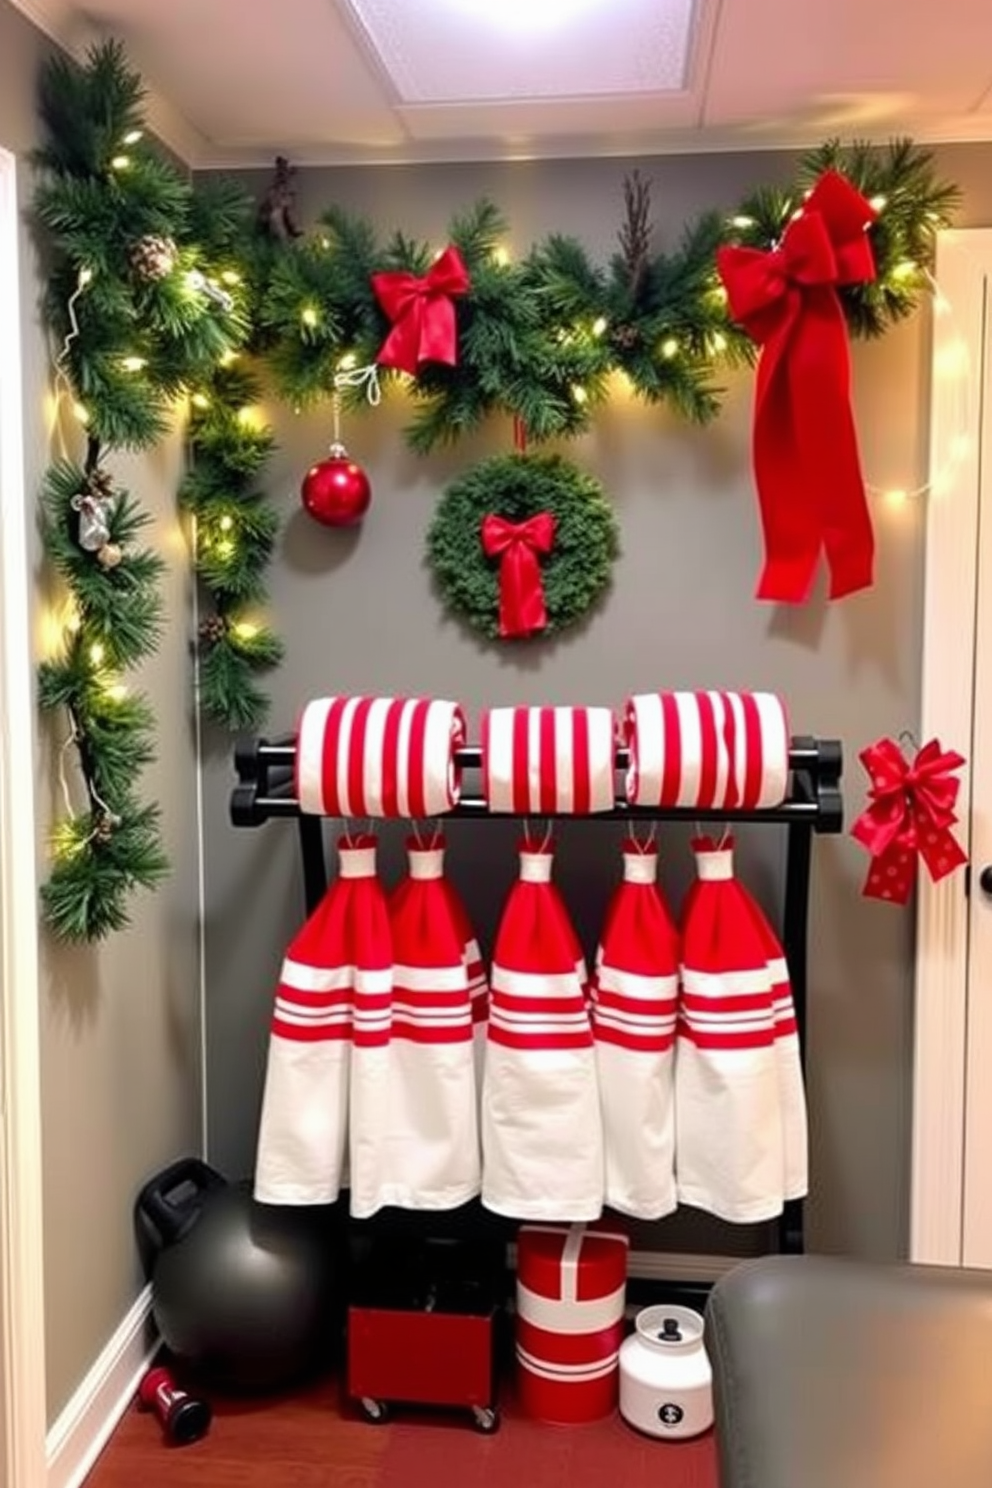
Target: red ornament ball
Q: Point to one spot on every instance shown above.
(336, 492)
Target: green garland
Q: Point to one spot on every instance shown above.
(139, 313)
(155, 288)
(235, 530)
(517, 487)
(540, 339)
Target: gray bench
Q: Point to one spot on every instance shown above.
(842, 1374)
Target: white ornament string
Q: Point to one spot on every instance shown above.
(367, 377)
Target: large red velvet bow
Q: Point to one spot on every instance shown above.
(805, 449)
(910, 814)
(422, 312)
(521, 592)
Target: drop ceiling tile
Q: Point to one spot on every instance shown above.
(455, 51)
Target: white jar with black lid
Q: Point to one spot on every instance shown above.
(666, 1384)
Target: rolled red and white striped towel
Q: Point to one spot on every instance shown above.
(543, 760)
(379, 757)
(710, 750)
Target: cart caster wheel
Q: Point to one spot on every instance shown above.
(486, 1418)
(375, 1411)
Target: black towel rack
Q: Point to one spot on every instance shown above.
(813, 805)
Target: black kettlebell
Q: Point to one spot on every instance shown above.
(244, 1294)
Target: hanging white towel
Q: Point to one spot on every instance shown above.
(415, 1141)
(729, 1154)
(635, 993)
(303, 1131)
(542, 1140)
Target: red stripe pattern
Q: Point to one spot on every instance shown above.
(540, 761)
(733, 1100)
(379, 757)
(335, 979)
(709, 750)
(635, 999)
(541, 1124)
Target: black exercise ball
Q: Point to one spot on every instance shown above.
(244, 1294)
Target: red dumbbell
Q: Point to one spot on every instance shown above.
(184, 1419)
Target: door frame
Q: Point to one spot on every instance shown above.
(22, 1347)
(963, 307)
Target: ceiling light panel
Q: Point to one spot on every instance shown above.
(491, 51)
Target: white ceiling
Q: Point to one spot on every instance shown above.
(235, 81)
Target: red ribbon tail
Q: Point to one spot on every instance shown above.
(788, 520)
(891, 875)
(942, 853)
(521, 592)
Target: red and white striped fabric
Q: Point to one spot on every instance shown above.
(342, 955)
(729, 1153)
(542, 1136)
(571, 1288)
(543, 760)
(719, 750)
(415, 1138)
(635, 997)
(379, 757)
(792, 1093)
(478, 981)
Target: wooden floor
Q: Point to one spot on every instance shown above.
(310, 1440)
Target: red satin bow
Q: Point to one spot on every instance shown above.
(521, 592)
(910, 814)
(422, 313)
(805, 448)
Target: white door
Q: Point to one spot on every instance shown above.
(951, 1221)
(22, 1363)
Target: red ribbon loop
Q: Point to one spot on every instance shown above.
(521, 592)
(805, 449)
(910, 813)
(422, 312)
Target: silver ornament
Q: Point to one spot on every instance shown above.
(94, 522)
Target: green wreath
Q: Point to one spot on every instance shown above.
(517, 487)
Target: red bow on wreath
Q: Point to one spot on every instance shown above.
(521, 592)
(805, 449)
(422, 312)
(910, 814)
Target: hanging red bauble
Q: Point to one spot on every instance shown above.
(336, 492)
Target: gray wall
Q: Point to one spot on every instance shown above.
(358, 614)
(120, 1024)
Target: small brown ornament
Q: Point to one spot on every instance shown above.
(105, 826)
(212, 630)
(153, 257)
(110, 555)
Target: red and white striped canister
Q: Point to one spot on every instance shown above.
(709, 750)
(379, 757)
(536, 761)
(571, 1287)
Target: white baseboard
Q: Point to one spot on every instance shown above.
(84, 1427)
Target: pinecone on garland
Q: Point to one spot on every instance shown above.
(212, 631)
(153, 257)
(625, 337)
(100, 484)
(104, 827)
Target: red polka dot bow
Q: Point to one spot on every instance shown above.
(909, 815)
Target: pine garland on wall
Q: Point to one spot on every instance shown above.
(139, 313)
(161, 294)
